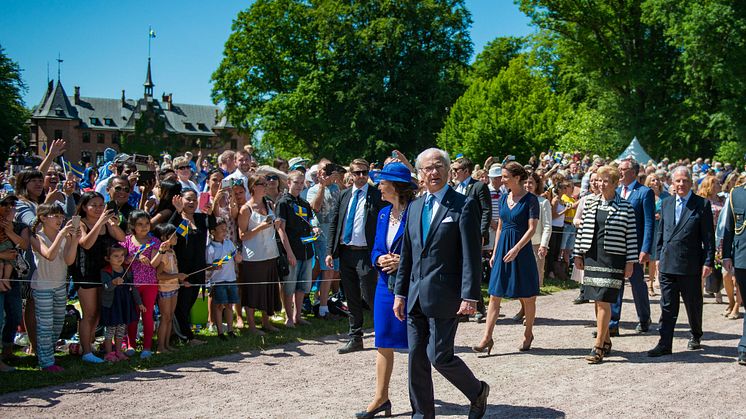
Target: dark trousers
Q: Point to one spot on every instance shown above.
(359, 283)
(431, 344)
(689, 288)
(640, 296)
(741, 280)
(184, 302)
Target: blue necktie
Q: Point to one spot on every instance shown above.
(427, 212)
(679, 206)
(350, 222)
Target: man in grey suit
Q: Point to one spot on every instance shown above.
(438, 279)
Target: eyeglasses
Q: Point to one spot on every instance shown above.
(183, 167)
(430, 169)
(272, 178)
(458, 169)
(360, 172)
(121, 189)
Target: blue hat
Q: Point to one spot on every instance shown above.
(394, 172)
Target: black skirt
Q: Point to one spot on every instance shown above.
(258, 286)
(604, 272)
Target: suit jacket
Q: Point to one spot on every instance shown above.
(642, 200)
(447, 268)
(379, 246)
(373, 204)
(734, 241)
(481, 194)
(685, 246)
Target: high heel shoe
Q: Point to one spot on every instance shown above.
(526, 345)
(385, 407)
(486, 347)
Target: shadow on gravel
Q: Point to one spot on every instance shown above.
(498, 411)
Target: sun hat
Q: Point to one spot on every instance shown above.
(296, 161)
(496, 171)
(394, 172)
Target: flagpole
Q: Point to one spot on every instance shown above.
(64, 166)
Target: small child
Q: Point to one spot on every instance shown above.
(568, 234)
(169, 279)
(54, 250)
(119, 300)
(143, 268)
(223, 290)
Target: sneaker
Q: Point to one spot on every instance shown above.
(145, 354)
(111, 357)
(130, 352)
(53, 368)
(91, 358)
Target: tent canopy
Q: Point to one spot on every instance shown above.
(635, 150)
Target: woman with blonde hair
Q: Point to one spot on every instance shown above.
(710, 190)
(654, 183)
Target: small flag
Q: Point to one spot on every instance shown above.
(151, 33)
(75, 169)
(44, 148)
(558, 156)
(183, 228)
(309, 239)
(224, 259)
(459, 156)
(301, 212)
(144, 247)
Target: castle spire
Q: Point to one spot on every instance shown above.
(149, 82)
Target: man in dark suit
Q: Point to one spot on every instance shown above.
(439, 279)
(480, 193)
(351, 236)
(734, 249)
(686, 245)
(642, 200)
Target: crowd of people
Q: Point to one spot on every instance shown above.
(136, 243)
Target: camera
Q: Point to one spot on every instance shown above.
(330, 168)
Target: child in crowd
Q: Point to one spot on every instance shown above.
(568, 233)
(224, 292)
(54, 250)
(119, 301)
(169, 279)
(143, 263)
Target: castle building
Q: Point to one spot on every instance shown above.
(90, 125)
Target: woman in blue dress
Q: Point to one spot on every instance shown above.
(514, 272)
(397, 188)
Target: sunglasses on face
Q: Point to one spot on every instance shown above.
(360, 172)
(183, 167)
(121, 189)
(272, 178)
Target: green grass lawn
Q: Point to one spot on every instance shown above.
(28, 375)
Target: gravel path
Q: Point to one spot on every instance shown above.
(550, 381)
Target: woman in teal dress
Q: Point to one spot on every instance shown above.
(514, 272)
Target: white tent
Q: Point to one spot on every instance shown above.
(635, 150)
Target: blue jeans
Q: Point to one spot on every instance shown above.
(639, 294)
(299, 279)
(11, 305)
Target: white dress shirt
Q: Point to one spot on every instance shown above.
(358, 227)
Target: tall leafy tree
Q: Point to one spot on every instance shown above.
(496, 56)
(343, 79)
(13, 113)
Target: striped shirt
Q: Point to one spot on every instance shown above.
(621, 230)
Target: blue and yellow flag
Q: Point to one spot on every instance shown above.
(151, 33)
(224, 259)
(183, 228)
(44, 149)
(75, 169)
(308, 239)
(301, 212)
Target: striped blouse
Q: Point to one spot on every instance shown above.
(621, 231)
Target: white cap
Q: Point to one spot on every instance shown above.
(496, 170)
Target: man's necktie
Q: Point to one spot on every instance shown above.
(350, 222)
(624, 192)
(679, 207)
(427, 212)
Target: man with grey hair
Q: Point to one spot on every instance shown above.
(439, 279)
(642, 200)
(686, 246)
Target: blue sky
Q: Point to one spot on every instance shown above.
(104, 44)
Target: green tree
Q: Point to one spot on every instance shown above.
(514, 113)
(13, 114)
(496, 56)
(587, 130)
(344, 79)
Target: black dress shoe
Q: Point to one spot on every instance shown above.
(642, 328)
(385, 407)
(693, 344)
(479, 406)
(658, 351)
(352, 345)
(463, 318)
(742, 358)
(580, 300)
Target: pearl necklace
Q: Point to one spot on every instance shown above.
(395, 219)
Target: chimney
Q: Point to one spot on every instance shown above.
(124, 100)
(77, 95)
(217, 116)
(168, 100)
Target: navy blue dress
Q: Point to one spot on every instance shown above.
(390, 331)
(519, 278)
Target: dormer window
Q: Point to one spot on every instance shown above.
(189, 126)
(109, 122)
(58, 111)
(202, 127)
(94, 121)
